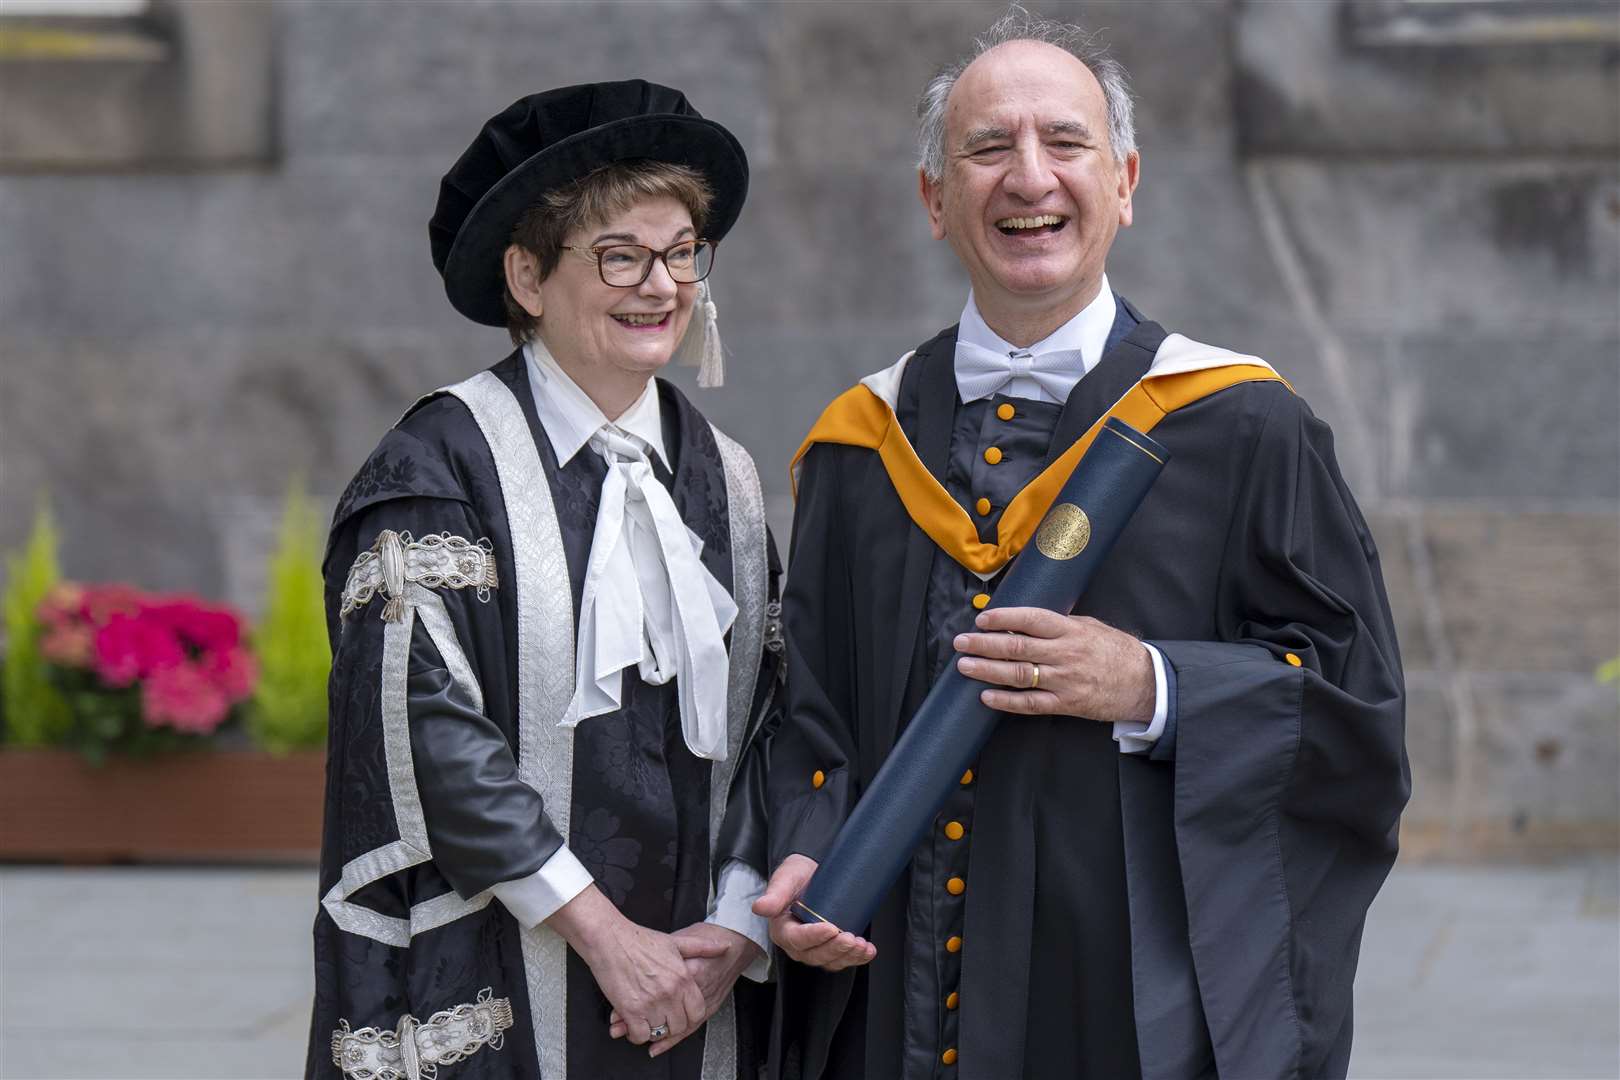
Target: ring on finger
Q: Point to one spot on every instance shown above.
(660, 1031)
(1034, 675)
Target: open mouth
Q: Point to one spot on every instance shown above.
(1040, 225)
(656, 320)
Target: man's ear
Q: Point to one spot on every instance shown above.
(523, 279)
(933, 200)
(1130, 173)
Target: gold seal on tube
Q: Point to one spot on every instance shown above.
(1065, 532)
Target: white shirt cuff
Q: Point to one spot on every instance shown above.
(534, 899)
(740, 886)
(1135, 737)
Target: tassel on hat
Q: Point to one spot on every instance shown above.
(701, 347)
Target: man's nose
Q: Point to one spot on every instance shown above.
(1029, 174)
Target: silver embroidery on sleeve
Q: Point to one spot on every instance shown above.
(414, 1050)
(748, 569)
(545, 674)
(435, 562)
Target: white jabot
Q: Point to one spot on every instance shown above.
(648, 600)
(987, 364)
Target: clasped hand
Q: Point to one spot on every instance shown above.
(652, 979)
(1040, 662)
(713, 957)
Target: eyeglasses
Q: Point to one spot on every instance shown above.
(625, 266)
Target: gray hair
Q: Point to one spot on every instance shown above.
(1019, 25)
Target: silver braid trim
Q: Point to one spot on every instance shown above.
(545, 674)
(415, 1049)
(435, 562)
(412, 846)
(749, 562)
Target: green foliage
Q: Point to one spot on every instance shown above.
(35, 713)
(288, 709)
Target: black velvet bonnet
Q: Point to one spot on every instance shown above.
(546, 140)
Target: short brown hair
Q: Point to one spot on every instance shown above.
(592, 200)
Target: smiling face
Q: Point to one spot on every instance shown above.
(1031, 195)
(609, 338)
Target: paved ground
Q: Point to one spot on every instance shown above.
(181, 973)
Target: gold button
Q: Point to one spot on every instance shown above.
(949, 1056)
(1006, 412)
(954, 830)
(1292, 659)
(817, 778)
(951, 1000)
(967, 778)
(953, 944)
(993, 455)
(981, 600)
(956, 886)
(982, 506)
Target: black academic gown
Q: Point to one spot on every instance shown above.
(1237, 860)
(640, 801)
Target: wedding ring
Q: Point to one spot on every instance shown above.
(1034, 675)
(660, 1031)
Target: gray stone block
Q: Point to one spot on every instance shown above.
(1303, 87)
(1392, 534)
(1524, 592)
(194, 88)
(1431, 747)
(1195, 256)
(847, 96)
(833, 251)
(337, 245)
(386, 81)
(1539, 426)
(1548, 753)
(172, 434)
(1522, 248)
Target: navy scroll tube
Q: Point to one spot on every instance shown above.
(952, 725)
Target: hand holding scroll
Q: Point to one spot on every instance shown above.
(1068, 665)
(821, 945)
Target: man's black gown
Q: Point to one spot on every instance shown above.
(640, 814)
(1193, 912)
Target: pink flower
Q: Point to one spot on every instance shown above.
(185, 698)
(210, 629)
(131, 647)
(102, 602)
(234, 671)
(63, 605)
(72, 645)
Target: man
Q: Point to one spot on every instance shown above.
(1161, 862)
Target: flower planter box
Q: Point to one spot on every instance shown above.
(204, 805)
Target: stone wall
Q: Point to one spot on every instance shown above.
(1426, 242)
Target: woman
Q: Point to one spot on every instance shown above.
(547, 591)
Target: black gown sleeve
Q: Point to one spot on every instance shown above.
(813, 764)
(1290, 769)
(484, 825)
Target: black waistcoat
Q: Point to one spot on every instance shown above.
(1043, 799)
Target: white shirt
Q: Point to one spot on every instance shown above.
(569, 419)
(1086, 335)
